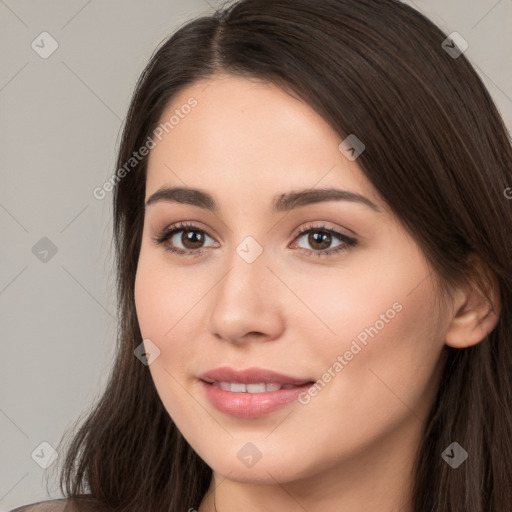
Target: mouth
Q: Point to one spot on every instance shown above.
(251, 393)
(251, 378)
(261, 387)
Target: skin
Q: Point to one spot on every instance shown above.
(352, 447)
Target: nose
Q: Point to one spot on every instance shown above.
(245, 304)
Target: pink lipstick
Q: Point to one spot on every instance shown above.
(251, 393)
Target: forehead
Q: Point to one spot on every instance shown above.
(248, 135)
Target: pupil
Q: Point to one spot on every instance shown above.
(192, 237)
(319, 237)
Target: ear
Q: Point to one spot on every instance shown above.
(476, 309)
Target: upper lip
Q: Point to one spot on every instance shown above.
(250, 376)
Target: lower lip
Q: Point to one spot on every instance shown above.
(251, 405)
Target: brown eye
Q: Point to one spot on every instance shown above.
(184, 239)
(192, 239)
(319, 239)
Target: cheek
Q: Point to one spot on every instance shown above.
(159, 310)
(166, 301)
(160, 298)
(379, 338)
(396, 373)
(356, 301)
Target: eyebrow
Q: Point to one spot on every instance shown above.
(281, 203)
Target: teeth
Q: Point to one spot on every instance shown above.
(256, 388)
(238, 387)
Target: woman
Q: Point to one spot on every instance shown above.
(313, 235)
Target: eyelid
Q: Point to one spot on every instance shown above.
(347, 242)
(184, 225)
(326, 226)
(169, 230)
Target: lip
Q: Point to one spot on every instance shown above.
(250, 376)
(251, 405)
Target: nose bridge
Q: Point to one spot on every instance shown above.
(247, 271)
(244, 300)
(245, 283)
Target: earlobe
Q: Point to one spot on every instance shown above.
(475, 315)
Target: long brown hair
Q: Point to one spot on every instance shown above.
(438, 153)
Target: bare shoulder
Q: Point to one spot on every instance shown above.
(60, 505)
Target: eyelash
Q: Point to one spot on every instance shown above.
(169, 231)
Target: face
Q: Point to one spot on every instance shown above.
(332, 292)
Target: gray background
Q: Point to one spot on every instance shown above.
(59, 130)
